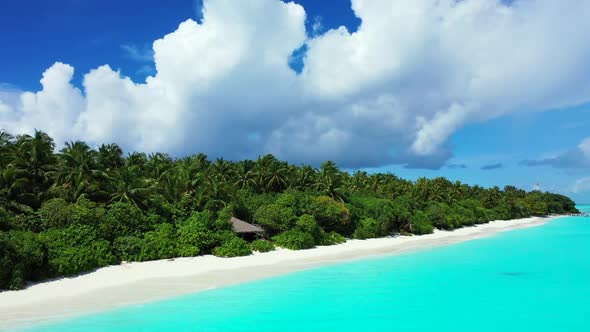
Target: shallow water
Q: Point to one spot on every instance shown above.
(534, 279)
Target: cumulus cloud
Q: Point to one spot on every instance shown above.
(577, 158)
(4, 108)
(492, 167)
(54, 109)
(9, 97)
(394, 91)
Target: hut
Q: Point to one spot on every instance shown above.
(246, 230)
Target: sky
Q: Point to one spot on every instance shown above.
(484, 91)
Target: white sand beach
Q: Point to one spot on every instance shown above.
(133, 283)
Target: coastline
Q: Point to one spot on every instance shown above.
(133, 283)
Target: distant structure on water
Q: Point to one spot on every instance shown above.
(583, 214)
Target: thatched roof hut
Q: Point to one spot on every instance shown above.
(242, 227)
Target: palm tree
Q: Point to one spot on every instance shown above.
(437, 193)
(6, 148)
(158, 164)
(246, 175)
(422, 189)
(440, 190)
(455, 192)
(110, 157)
(492, 197)
(200, 162)
(329, 181)
(476, 192)
(272, 174)
(34, 161)
(172, 185)
(358, 181)
(303, 177)
(190, 173)
(222, 170)
(128, 186)
(77, 174)
(276, 177)
(137, 159)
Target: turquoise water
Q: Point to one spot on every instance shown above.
(535, 279)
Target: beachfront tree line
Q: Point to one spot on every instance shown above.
(73, 211)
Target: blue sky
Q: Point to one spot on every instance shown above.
(487, 149)
(95, 32)
(508, 141)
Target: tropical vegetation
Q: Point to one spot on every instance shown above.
(81, 208)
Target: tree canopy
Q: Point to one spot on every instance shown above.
(67, 212)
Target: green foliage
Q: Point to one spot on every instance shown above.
(75, 249)
(288, 199)
(8, 260)
(475, 212)
(437, 214)
(86, 212)
(390, 215)
(55, 213)
(331, 215)
(233, 247)
(32, 254)
(247, 202)
(368, 228)
(159, 243)
(306, 223)
(420, 224)
(262, 246)
(297, 200)
(123, 219)
(6, 222)
(199, 234)
(27, 221)
(294, 239)
(22, 257)
(128, 248)
(183, 208)
(536, 204)
(79, 209)
(275, 218)
(332, 238)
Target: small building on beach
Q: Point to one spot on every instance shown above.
(246, 230)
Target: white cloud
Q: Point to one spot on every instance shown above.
(4, 108)
(135, 53)
(584, 147)
(54, 109)
(581, 186)
(317, 26)
(9, 99)
(392, 92)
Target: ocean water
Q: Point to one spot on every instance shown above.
(535, 279)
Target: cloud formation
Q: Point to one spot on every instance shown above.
(456, 166)
(577, 158)
(492, 167)
(581, 186)
(137, 54)
(392, 92)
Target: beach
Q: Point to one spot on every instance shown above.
(133, 283)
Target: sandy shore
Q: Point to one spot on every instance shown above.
(132, 283)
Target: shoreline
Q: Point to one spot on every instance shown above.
(135, 283)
